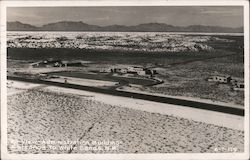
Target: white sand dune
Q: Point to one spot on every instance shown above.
(158, 42)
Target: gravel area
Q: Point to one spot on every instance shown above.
(88, 126)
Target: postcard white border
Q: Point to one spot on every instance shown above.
(226, 156)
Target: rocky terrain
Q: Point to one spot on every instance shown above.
(74, 121)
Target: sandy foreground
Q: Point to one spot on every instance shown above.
(44, 119)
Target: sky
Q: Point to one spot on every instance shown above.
(227, 16)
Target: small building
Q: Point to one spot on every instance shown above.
(150, 71)
(47, 63)
(141, 73)
(120, 70)
(106, 70)
(130, 70)
(138, 68)
(236, 83)
(58, 64)
(239, 86)
(221, 79)
(64, 63)
(134, 69)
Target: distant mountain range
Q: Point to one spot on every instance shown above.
(147, 27)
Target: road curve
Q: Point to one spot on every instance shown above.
(168, 100)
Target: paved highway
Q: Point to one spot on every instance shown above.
(168, 100)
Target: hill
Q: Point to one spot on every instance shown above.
(18, 26)
(147, 27)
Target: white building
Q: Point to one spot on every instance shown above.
(221, 79)
(141, 73)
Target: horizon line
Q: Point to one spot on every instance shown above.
(123, 25)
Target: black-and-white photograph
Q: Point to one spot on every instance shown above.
(125, 79)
